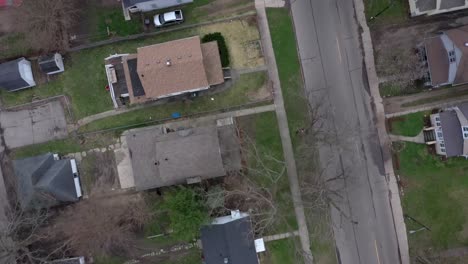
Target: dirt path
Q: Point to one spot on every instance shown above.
(430, 99)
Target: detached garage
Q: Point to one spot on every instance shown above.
(16, 75)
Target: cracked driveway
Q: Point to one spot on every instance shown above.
(35, 125)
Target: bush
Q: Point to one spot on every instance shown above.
(186, 211)
(223, 50)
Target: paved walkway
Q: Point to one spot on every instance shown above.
(284, 129)
(417, 139)
(280, 236)
(429, 106)
(394, 195)
(395, 106)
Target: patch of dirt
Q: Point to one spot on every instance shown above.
(98, 171)
(261, 94)
(221, 7)
(238, 34)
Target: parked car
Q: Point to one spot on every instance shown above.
(169, 18)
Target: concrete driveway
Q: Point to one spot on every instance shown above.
(35, 125)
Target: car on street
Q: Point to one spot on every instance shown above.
(168, 18)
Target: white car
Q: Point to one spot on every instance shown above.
(169, 18)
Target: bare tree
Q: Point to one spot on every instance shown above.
(44, 23)
(100, 226)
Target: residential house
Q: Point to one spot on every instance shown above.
(164, 70)
(134, 6)
(178, 153)
(447, 57)
(449, 131)
(16, 75)
(230, 239)
(51, 64)
(46, 180)
(434, 7)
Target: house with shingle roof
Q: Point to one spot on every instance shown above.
(164, 70)
(447, 57)
(434, 7)
(449, 131)
(46, 180)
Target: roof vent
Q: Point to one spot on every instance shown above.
(168, 63)
(235, 214)
(226, 260)
(466, 44)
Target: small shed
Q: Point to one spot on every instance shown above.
(51, 64)
(16, 75)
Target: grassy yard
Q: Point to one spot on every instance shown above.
(435, 194)
(281, 252)
(262, 130)
(239, 94)
(84, 79)
(284, 44)
(408, 125)
(395, 10)
(389, 90)
(65, 146)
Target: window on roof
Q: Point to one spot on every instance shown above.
(437, 118)
(465, 128)
(465, 135)
(437, 123)
(442, 150)
(442, 145)
(439, 134)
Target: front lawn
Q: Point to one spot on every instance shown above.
(435, 194)
(390, 10)
(239, 94)
(84, 79)
(408, 125)
(282, 252)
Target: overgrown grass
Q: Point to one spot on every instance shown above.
(393, 10)
(435, 194)
(389, 90)
(234, 96)
(104, 18)
(13, 45)
(65, 146)
(408, 125)
(282, 252)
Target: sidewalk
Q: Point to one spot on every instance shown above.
(283, 126)
(394, 195)
(417, 139)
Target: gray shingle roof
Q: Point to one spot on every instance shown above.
(48, 63)
(10, 77)
(44, 182)
(451, 129)
(232, 241)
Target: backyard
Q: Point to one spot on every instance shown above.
(435, 194)
(84, 79)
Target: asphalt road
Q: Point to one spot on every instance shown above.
(331, 57)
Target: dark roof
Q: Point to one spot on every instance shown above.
(137, 87)
(10, 77)
(438, 61)
(452, 133)
(44, 182)
(232, 240)
(48, 63)
(129, 3)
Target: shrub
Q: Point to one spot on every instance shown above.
(223, 50)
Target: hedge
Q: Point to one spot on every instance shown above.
(223, 50)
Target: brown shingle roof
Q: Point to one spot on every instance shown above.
(212, 62)
(438, 61)
(172, 67)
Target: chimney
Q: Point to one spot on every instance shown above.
(168, 63)
(235, 214)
